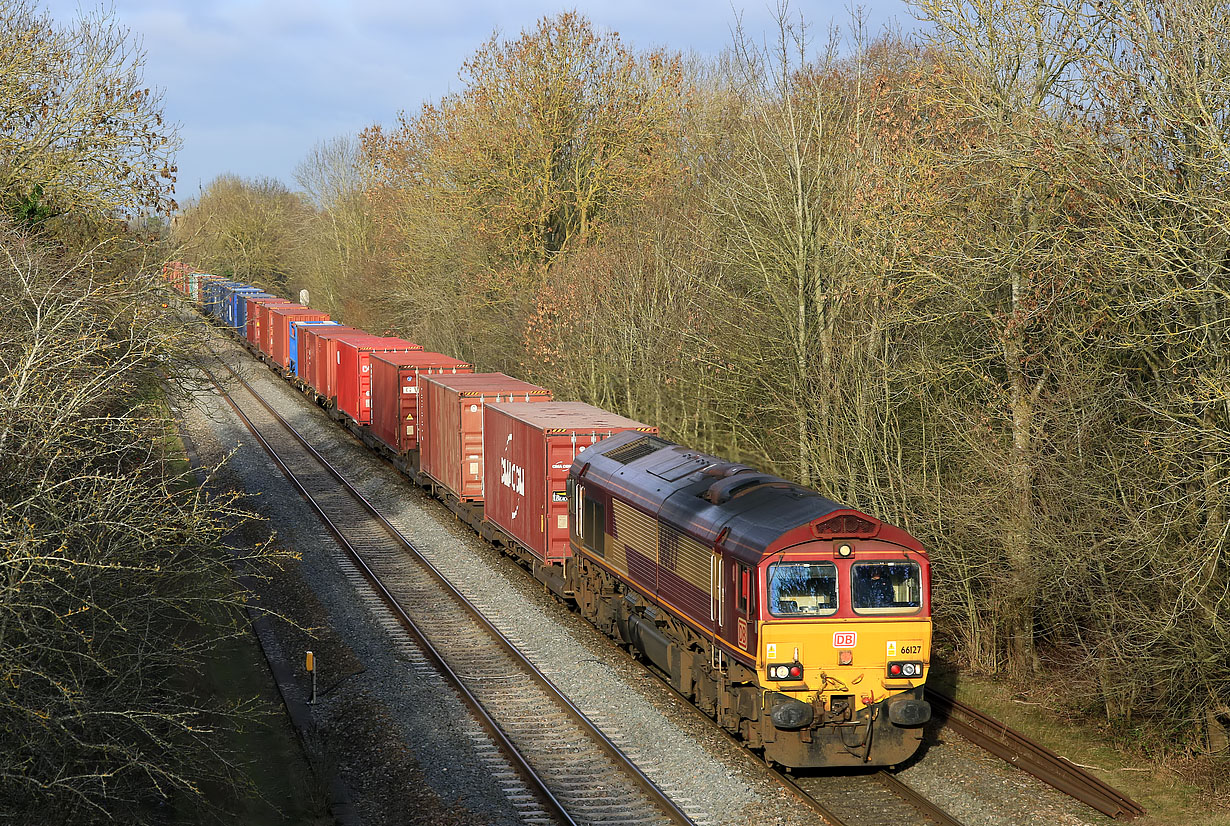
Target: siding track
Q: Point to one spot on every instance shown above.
(1015, 748)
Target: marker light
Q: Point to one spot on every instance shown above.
(844, 551)
(905, 670)
(793, 671)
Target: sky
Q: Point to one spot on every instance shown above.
(255, 84)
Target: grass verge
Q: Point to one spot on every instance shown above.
(1173, 792)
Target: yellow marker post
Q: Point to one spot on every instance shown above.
(311, 667)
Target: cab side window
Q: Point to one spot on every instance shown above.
(743, 588)
(593, 525)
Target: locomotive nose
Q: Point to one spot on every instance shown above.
(908, 711)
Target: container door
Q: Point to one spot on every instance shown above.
(561, 450)
(470, 449)
(408, 407)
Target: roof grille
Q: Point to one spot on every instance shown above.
(637, 449)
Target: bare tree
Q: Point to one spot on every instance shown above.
(337, 237)
(1156, 103)
(772, 182)
(79, 130)
(1010, 62)
(555, 131)
(114, 575)
(245, 229)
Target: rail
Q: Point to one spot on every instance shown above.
(1017, 749)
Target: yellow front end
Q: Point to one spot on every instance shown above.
(845, 679)
(844, 657)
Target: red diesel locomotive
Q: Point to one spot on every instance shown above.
(800, 625)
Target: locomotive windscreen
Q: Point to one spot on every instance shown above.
(885, 587)
(802, 588)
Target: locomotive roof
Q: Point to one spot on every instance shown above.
(704, 495)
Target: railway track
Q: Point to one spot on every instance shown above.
(865, 800)
(1033, 758)
(859, 800)
(869, 799)
(850, 800)
(570, 772)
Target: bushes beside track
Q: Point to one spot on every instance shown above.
(115, 585)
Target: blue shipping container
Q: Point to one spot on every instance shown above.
(210, 293)
(292, 343)
(218, 308)
(241, 308)
(234, 311)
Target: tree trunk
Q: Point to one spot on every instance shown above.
(1018, 605)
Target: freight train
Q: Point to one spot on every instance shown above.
(801, 626)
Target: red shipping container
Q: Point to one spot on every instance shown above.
(354, 371)
(253, 330)
(527, 451)
(451, 425)
(325, 362)
(395, 393)
(175, 272)
(280, 317)
(313, 349)
(307, 351)
(267, 325)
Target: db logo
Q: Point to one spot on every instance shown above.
(845, 639)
